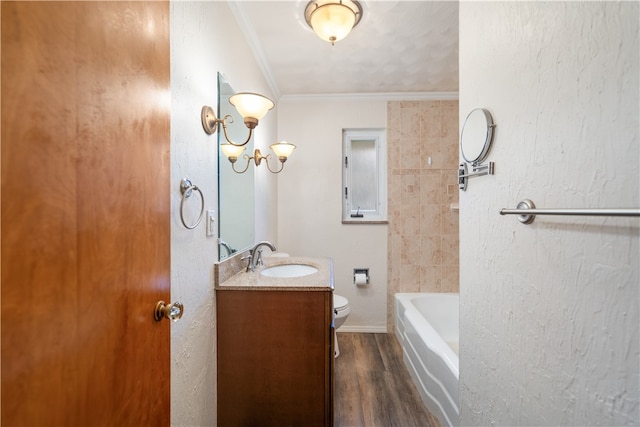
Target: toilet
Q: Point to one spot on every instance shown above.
(341, 310)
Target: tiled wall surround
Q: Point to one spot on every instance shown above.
(423, 230)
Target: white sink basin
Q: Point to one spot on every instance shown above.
(289, 270)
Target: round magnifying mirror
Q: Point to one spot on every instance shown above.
(477, 132)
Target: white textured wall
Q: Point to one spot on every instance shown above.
(204, 40)
(310, 202)
(549, 311)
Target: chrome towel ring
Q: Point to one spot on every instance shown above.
(186, 188)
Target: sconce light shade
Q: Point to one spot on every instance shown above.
(283, 149)
(231, 151)
(333, 20)
(251, 106)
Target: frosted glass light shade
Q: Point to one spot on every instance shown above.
(231, 151)
(283, 149)
(333, 20)
(251, 105)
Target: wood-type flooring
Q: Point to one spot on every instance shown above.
(373, 387)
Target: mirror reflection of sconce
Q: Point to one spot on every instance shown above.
(475, 143)
(282, 149)
(251, 106)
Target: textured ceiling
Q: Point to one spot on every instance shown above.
(399, 46)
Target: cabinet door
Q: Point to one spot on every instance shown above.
(274, 361)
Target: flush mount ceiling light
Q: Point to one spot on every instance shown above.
(251, 106)
(282, 149)
(333, 20)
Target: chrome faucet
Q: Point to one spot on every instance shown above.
(256, 255)
(223, 244)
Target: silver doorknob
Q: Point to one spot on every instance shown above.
(172, 312)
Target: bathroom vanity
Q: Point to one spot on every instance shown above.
(275, 345)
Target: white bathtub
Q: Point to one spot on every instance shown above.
(427, 326)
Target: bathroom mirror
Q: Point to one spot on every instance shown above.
(477, 133)
(475, 143)
(235, 191)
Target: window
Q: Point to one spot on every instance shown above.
(364, 176)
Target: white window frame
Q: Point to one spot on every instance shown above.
(379, 215)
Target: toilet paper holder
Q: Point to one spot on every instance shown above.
(359, 272)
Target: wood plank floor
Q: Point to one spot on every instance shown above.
(373, 387)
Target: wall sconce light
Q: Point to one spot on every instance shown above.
(251, 106)
(282, 149)
(333, 20)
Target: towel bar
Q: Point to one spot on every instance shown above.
(527, 211)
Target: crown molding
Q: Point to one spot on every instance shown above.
(372, 97)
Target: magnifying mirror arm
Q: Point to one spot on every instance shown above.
(477, 170)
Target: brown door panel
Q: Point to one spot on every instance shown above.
(85, 213)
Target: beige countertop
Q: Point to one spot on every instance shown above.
(322, 280)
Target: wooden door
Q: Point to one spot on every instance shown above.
(85, 213)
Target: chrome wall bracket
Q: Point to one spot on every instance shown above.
(476, 170)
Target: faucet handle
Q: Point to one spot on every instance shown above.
(248, 259)
(259, 257)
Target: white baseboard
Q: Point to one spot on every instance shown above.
(363, 329)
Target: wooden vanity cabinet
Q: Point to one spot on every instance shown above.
(275, 357)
